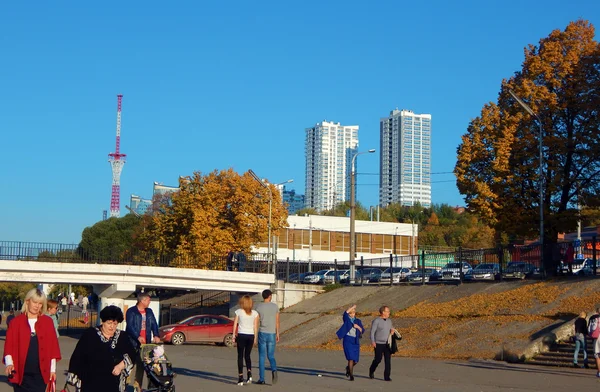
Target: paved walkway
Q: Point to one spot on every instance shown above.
(212, 368)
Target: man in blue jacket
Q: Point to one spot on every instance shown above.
(142, 328)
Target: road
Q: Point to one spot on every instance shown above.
(211, 368)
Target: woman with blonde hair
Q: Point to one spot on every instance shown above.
(579, 338)
(31, 349)
(245, 331)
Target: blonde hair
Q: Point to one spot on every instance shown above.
(583, 314)
(36, 295)
(246, 304)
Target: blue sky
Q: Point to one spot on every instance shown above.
(213, 85)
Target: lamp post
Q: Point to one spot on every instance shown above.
(352, 214)
(266, 184)
(541, 180)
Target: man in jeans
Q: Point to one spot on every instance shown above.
(142, 328)
(268, 335)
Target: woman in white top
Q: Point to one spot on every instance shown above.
(245, 330)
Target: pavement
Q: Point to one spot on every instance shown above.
(206, 367)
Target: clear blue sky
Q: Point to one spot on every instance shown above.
(213, 85)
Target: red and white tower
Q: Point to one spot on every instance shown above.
(116, 160)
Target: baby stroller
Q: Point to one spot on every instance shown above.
(158, 368)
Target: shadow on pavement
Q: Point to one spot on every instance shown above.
(315, 372)
(520, 368)
(205, 375)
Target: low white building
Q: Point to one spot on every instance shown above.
(327, 238)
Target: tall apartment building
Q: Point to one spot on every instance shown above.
(405, 160)
(329, 150)
(293, 200)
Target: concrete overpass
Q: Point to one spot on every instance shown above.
(114, 282)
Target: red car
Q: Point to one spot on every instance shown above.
(202, 328)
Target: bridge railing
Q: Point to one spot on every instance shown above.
(72, 253)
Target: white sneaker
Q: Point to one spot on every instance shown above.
(249, 380)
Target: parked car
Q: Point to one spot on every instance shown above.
(579, 267)
(583, 267)
(202, 328)
(318, 277)
(332, 276)
(436, 275)
(485, 271)
(519, 270)
(452, 270)
(370, 274)
(417, 277)
(299, 278)
(396, 274)
(345, 276)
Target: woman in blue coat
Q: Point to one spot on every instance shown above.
(351, 331)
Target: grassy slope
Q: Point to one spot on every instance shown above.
(446, 321)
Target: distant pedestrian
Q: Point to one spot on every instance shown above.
(53, 313)
(245, 333)
(63, 303)
(570, 258)
(11, 316)
(241, 260)
(231, 259)
(84, 303)
(268, 335)
(381, 330)
(351, 331)
(594, 333)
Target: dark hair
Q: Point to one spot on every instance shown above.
(142, 296)
(383, 308)
(111, 313)
(267, 293)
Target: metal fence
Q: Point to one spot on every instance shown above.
(431, 265)
(71, 253)
(494, 264)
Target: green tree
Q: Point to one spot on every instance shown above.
(497, 165)
(109, 239)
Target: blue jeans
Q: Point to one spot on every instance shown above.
(266, 347)
(580, 342)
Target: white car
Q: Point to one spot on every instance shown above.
(330, 277)
(396, 274)
(452, 270)
(318, 277)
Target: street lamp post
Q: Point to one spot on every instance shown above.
(353, 214)
(541, 173)
(266, 184)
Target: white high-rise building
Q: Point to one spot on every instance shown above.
(329, 150)
(405, 160)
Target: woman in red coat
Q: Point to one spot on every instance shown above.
(31, 348)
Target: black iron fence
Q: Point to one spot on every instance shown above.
(494, 264)
(71, 253)
(512, 261)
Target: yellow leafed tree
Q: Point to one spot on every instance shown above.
(211, 215)
(497, 161)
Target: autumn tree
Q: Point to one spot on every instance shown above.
(210, 215)
(497, 165)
